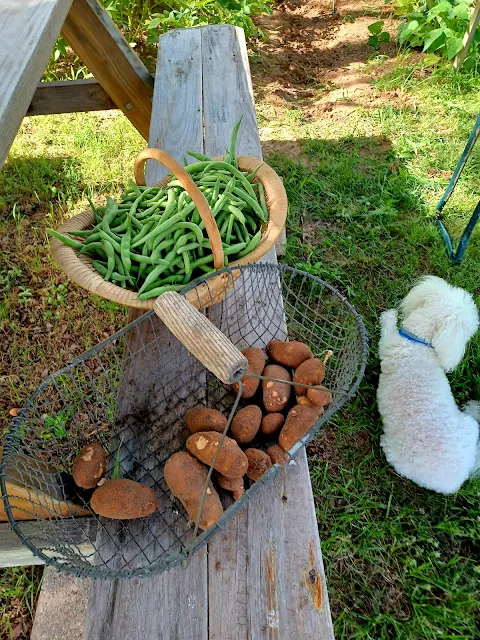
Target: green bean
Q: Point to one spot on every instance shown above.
(216, 190)
(93, 247)
(95, 237)
(251, 222)
(234, 248)
(84, 233)
(172, 279)
(252, 202)
(155, 293)
(224, 197)
(188, 266)
(143, 259)
(107, 238)
(237, 213)
(199, 156)
(251, 245)
(110, 214)
(231, 157)
(160, 228)
(229, 228)
(110, 251)
(103, 271)
(242, 234)
(263, 202)
(195, 167)
(157, 271)
(189, 247)
(125, 249)
(70, 242)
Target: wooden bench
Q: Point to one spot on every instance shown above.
(262, 575)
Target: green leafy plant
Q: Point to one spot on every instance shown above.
(377, 34)
(438, 27)
(56, 426)
(194, 13)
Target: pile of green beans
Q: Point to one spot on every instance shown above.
(154, 240)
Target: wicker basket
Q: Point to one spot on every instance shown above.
(79, 267)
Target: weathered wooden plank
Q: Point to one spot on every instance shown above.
(468, 38)
(262, 568)
(69, 97)
(150, 608)
(176, 124)
(13, 553)
(102, 48)
(28, 31)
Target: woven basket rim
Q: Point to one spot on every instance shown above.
(80, 270)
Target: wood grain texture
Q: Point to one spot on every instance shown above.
(69, 97)
(172, 604)
(176, 124)
(13, 553)
(102, 48)
(266, 554)
(201, 337)
(28, 31)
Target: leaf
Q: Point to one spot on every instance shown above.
(461, 12)
(453, 46)
(431, 38)
(373, 41)
(407, 31)
(442, 7)
(376, 27)
(384, 36)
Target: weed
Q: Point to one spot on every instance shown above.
(56, 426)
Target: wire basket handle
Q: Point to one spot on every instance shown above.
(204, 341)
(193, 191)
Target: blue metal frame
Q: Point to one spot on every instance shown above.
(457, 255)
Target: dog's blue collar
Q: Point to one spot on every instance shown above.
(413, 338)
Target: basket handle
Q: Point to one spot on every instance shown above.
(204, 341)
(193, 191)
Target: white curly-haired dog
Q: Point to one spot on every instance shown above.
(427, 438)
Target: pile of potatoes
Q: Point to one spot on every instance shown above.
(274, 415)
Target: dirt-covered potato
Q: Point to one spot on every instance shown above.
(123, 499)
(320, 396)
(310, 372)
(231, 461)
(186, 478)
(256, 363)
(277, 454)
(202, 419)
(235, 485)
(271, 423)
(275, 394)
(258, 463)
(246, 423)
(89, 466)
(299, 421)
(305, 401)
(289, 354)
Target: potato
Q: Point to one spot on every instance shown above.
(89, 466)
(186, 478)
(299, 421)
(320, 396)
(290, 354)
(202, 419)
(234, 485)
(305, 400)
(311, 372)
(272, 423)
(275, 394)
(123, 499)
(277, 454)
(246, 423)
(258, 463)
(256, 362)
(231, 461)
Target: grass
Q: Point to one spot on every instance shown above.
(401, 562)
(19, 588)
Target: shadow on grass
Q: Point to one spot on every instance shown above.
(400, 560)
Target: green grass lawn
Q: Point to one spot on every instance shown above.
(401, 562)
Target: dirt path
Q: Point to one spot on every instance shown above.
(318, 62)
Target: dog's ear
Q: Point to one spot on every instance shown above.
(424, 289)
(449, 342)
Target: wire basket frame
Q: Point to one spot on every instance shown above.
(131, 392)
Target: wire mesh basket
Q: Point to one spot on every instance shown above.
(130, 393)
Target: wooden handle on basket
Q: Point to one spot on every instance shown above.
(193, 191)
(204, 341)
